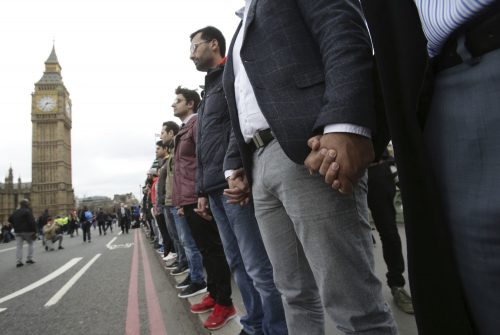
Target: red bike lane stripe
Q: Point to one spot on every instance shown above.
(132, 326)
(156, 323)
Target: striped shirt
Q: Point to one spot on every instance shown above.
(440, 18)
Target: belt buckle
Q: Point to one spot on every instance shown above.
(257, 140)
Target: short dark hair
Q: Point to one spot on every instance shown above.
(24, 203)
(171, 126)
(189, 95)
(160, 144)
(211, 33)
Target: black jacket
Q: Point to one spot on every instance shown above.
(23, 221)
(214, 128)
(294, 52)
(400, 52)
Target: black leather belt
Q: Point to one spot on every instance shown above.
(482, 35)
(261, 139)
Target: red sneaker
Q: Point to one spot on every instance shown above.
(219, 317)
(206, 304)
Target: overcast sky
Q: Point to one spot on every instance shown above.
(121, 62)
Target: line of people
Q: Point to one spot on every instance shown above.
(304, 103)
(203, 214)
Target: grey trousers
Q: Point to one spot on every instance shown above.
(20, 238)
(319, 243)
(463, 139)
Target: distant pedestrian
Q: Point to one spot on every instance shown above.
(101, 221)
(52, 233)
(86, 218)
(124, 218)
(25, 228)
(73, 223)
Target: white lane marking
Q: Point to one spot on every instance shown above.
(2, 309)
(119, 233)
(42, 281)
(111, 246)
(55, 299)
(4, 250)
(110, 242)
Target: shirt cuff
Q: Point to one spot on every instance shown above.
(348, 128)
(228, 173)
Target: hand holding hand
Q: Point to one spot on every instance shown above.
(203, 209)
(239, 189)
(341, 157)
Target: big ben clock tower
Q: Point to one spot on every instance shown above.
(51, 148)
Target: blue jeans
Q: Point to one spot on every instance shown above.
(193, 255)
(250, 266)
(172, 230)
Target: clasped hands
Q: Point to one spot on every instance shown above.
(341, 157)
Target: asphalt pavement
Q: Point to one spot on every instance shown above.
(115, 285)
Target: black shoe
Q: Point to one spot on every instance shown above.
(30, 261)
(185, 283)
(19, 264)
(60, 247)
(46, 248)
(179, 271)
(193, 289)
(172, 265)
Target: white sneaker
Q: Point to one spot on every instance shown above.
(170, 256)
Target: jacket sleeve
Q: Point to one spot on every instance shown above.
(232, 160)
(339, 30)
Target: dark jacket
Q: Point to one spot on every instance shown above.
(160, 184)
(402, 63)
(214, 129)
(292, 52)
(23, 221)
(185, 165)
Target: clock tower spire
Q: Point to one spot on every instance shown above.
(51, 148)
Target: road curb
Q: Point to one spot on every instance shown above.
(233, 327)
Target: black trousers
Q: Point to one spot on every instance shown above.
(124, 225)
(381, 192)
(168, 245)
(207, 238)
(102, 227)
(86, 230)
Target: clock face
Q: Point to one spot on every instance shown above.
(47, 103)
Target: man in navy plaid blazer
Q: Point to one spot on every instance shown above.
(299, 76)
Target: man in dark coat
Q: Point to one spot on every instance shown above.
(25, 228)
(443, 119)
(288, 78)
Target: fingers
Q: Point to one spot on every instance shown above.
(236, 196)
(314, 143)
(328, 160)
(332, 173)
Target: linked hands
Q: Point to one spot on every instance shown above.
(203, 209)
(341, 157)
(239, 189)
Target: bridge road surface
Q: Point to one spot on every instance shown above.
(105, 298)
(91, 288)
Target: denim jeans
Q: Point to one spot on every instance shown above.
(193, 255)
(250, 266)
(172, 230)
